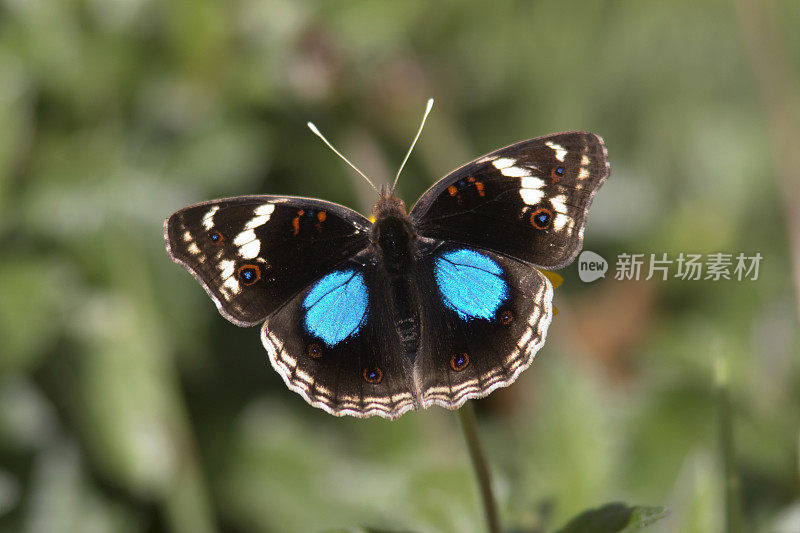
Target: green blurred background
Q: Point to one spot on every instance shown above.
(128, 404)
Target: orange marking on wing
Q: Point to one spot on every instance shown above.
(321, 216)
(296, 221)
(256, 273)
(453, 190)
(535, 222)
(479, 186)
(459, 362)
(369, 378)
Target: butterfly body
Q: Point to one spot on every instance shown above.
(395, 243)
(432, 306)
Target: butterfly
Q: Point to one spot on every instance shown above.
(436, 305)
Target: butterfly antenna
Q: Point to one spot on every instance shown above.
(316, 132)
(419, 132)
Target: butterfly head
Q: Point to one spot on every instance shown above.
(389, 205)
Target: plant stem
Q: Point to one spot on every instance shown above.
(734, 521)
(765, 39)
(469, 427)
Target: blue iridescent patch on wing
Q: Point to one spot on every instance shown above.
(471, 283)
(336, 306)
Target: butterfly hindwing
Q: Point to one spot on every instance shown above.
(484, 317)
(253, 253)
(336, 345)
(528, 200)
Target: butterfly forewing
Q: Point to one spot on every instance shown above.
(253, 253)
(528, 200)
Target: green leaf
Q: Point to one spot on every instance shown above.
(615, 518)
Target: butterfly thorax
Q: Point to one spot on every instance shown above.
(393, 235)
